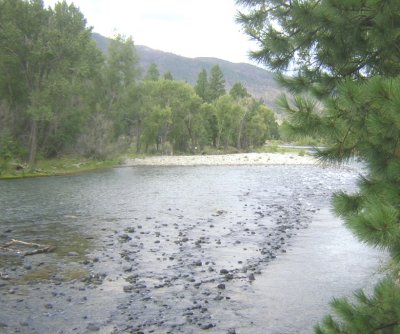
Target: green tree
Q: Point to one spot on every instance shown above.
(186, 118)
(133, 106)
(262, 125)
(210, 122)
(202, 87)
(152, 74)
(118, 93)
(228, 116)
(171, 114)
(216, 86)
(120, 71)
(257, 123)
(238, 91)
(47, 57)
(346, 64)
(168, 76)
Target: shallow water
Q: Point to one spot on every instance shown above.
(178, 250)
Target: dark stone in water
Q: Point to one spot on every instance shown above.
(127, 288)
(93, 327)
(207, 326)
(72, 254)
(124, 238)
(228, 277)
(127, 268)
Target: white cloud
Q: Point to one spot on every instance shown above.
(191, 28)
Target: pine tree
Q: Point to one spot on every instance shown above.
(345, 57)
(216, 86)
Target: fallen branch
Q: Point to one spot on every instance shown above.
(9, 247)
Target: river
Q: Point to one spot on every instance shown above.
(218, 249)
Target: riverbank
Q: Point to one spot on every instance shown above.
(70, 166)
(224, 159)
(56, 167)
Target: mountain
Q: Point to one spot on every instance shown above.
(258, 81)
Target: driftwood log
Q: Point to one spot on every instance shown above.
(35, 248)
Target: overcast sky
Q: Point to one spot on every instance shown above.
(191, 28)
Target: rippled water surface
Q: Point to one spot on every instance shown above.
(178, 250)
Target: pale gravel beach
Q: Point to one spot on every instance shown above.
(225, 159)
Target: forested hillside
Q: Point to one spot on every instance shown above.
(60, 94)
(259, 82)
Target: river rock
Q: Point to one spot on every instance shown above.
(124, 238)
(72, 254)
(229, 277)
(128, 288)
(93, 327)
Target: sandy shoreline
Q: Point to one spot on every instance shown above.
(225, 159)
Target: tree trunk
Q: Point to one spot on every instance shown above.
(239, 137)
(33, 143)
(138, 137)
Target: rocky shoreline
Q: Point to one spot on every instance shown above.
(162, 263)
(224, 159)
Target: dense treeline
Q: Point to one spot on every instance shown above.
(59, 94)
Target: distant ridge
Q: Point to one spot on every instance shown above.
(258, 81)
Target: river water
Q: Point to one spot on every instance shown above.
(222, 249)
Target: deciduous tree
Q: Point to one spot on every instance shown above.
(46, 57)
(202, 86)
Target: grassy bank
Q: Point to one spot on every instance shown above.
(54, 167)
(74, 165)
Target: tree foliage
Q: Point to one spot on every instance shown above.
(238, 91)
(345, 63)
(216, 86)
(202, 85)
(152, 74)
(59, 94)
(46, 57)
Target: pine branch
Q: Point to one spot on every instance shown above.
(393, 324)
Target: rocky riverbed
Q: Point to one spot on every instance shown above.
(158, 250)
(224, 159)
